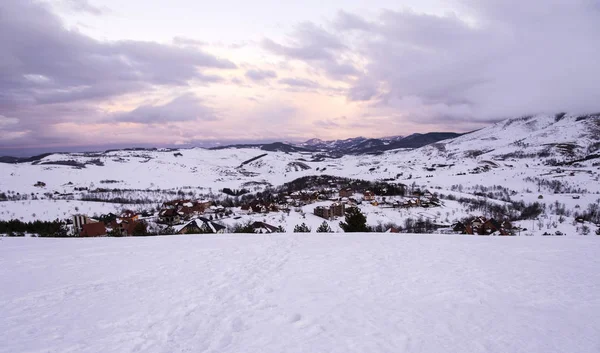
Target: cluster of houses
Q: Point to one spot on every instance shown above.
(483, 226)
(176, 211)
(200, 216)
(124, 225)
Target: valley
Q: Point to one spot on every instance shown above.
(496, 172)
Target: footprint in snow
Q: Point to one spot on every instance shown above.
(295, 318)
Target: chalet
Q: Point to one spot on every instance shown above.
(393, 230)
(97, 229)
(346, 192)
(169, 216)
(476, 224)
(462, 228)
(129, 214)
(264, 228)
(368, 196)
(507, 225)
(491, 226)
(200, 225)
(125, 226)
(483, 226)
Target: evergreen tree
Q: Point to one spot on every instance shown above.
(246, 228)
(355, 221)
(324, 228)
(139, 229)
(302, 228)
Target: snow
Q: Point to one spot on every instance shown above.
(49, 210)
(300, 293)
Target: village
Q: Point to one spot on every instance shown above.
(184, 216)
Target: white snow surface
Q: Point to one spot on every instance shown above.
(300, 293)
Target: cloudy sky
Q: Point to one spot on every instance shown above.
(79, 74)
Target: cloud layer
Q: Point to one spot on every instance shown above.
(47, 70)
(407, 71)
(497, 59)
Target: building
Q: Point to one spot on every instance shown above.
(169, 216)
(323, 212)
(346, 192)
(335, 210)
(368, 196)
(264, 228)
(96, 229)
(200, 225)
(78, 221)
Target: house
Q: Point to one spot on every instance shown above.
(368, 196)
(264, 228)
(346, 192)
(507, 225)
(476, 224)
(490, 226)
(200, 225)
(462, 228)
(96, 229)
(129, 214)
(393, 230)
(169, 216)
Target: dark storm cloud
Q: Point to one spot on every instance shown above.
(187, 107)
(260, 75)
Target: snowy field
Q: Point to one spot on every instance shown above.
(300, 293)
(49, 210)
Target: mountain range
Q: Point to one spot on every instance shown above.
(355, 145)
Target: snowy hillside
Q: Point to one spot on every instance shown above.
(552, 160)
(300, 293)
(562, 137)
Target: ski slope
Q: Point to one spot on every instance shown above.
(300, 293)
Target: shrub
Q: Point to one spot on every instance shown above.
(324, 228)
(302, 228)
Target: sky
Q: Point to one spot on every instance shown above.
(91, 74)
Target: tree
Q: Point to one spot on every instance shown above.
(355, 221)
(585, 230)
(246, 228)
(139, 229)
(324, 228)
(302, 228)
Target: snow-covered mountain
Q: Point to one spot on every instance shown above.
(555, 157)
(363, 145)
(355, 145)
(559, 139)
